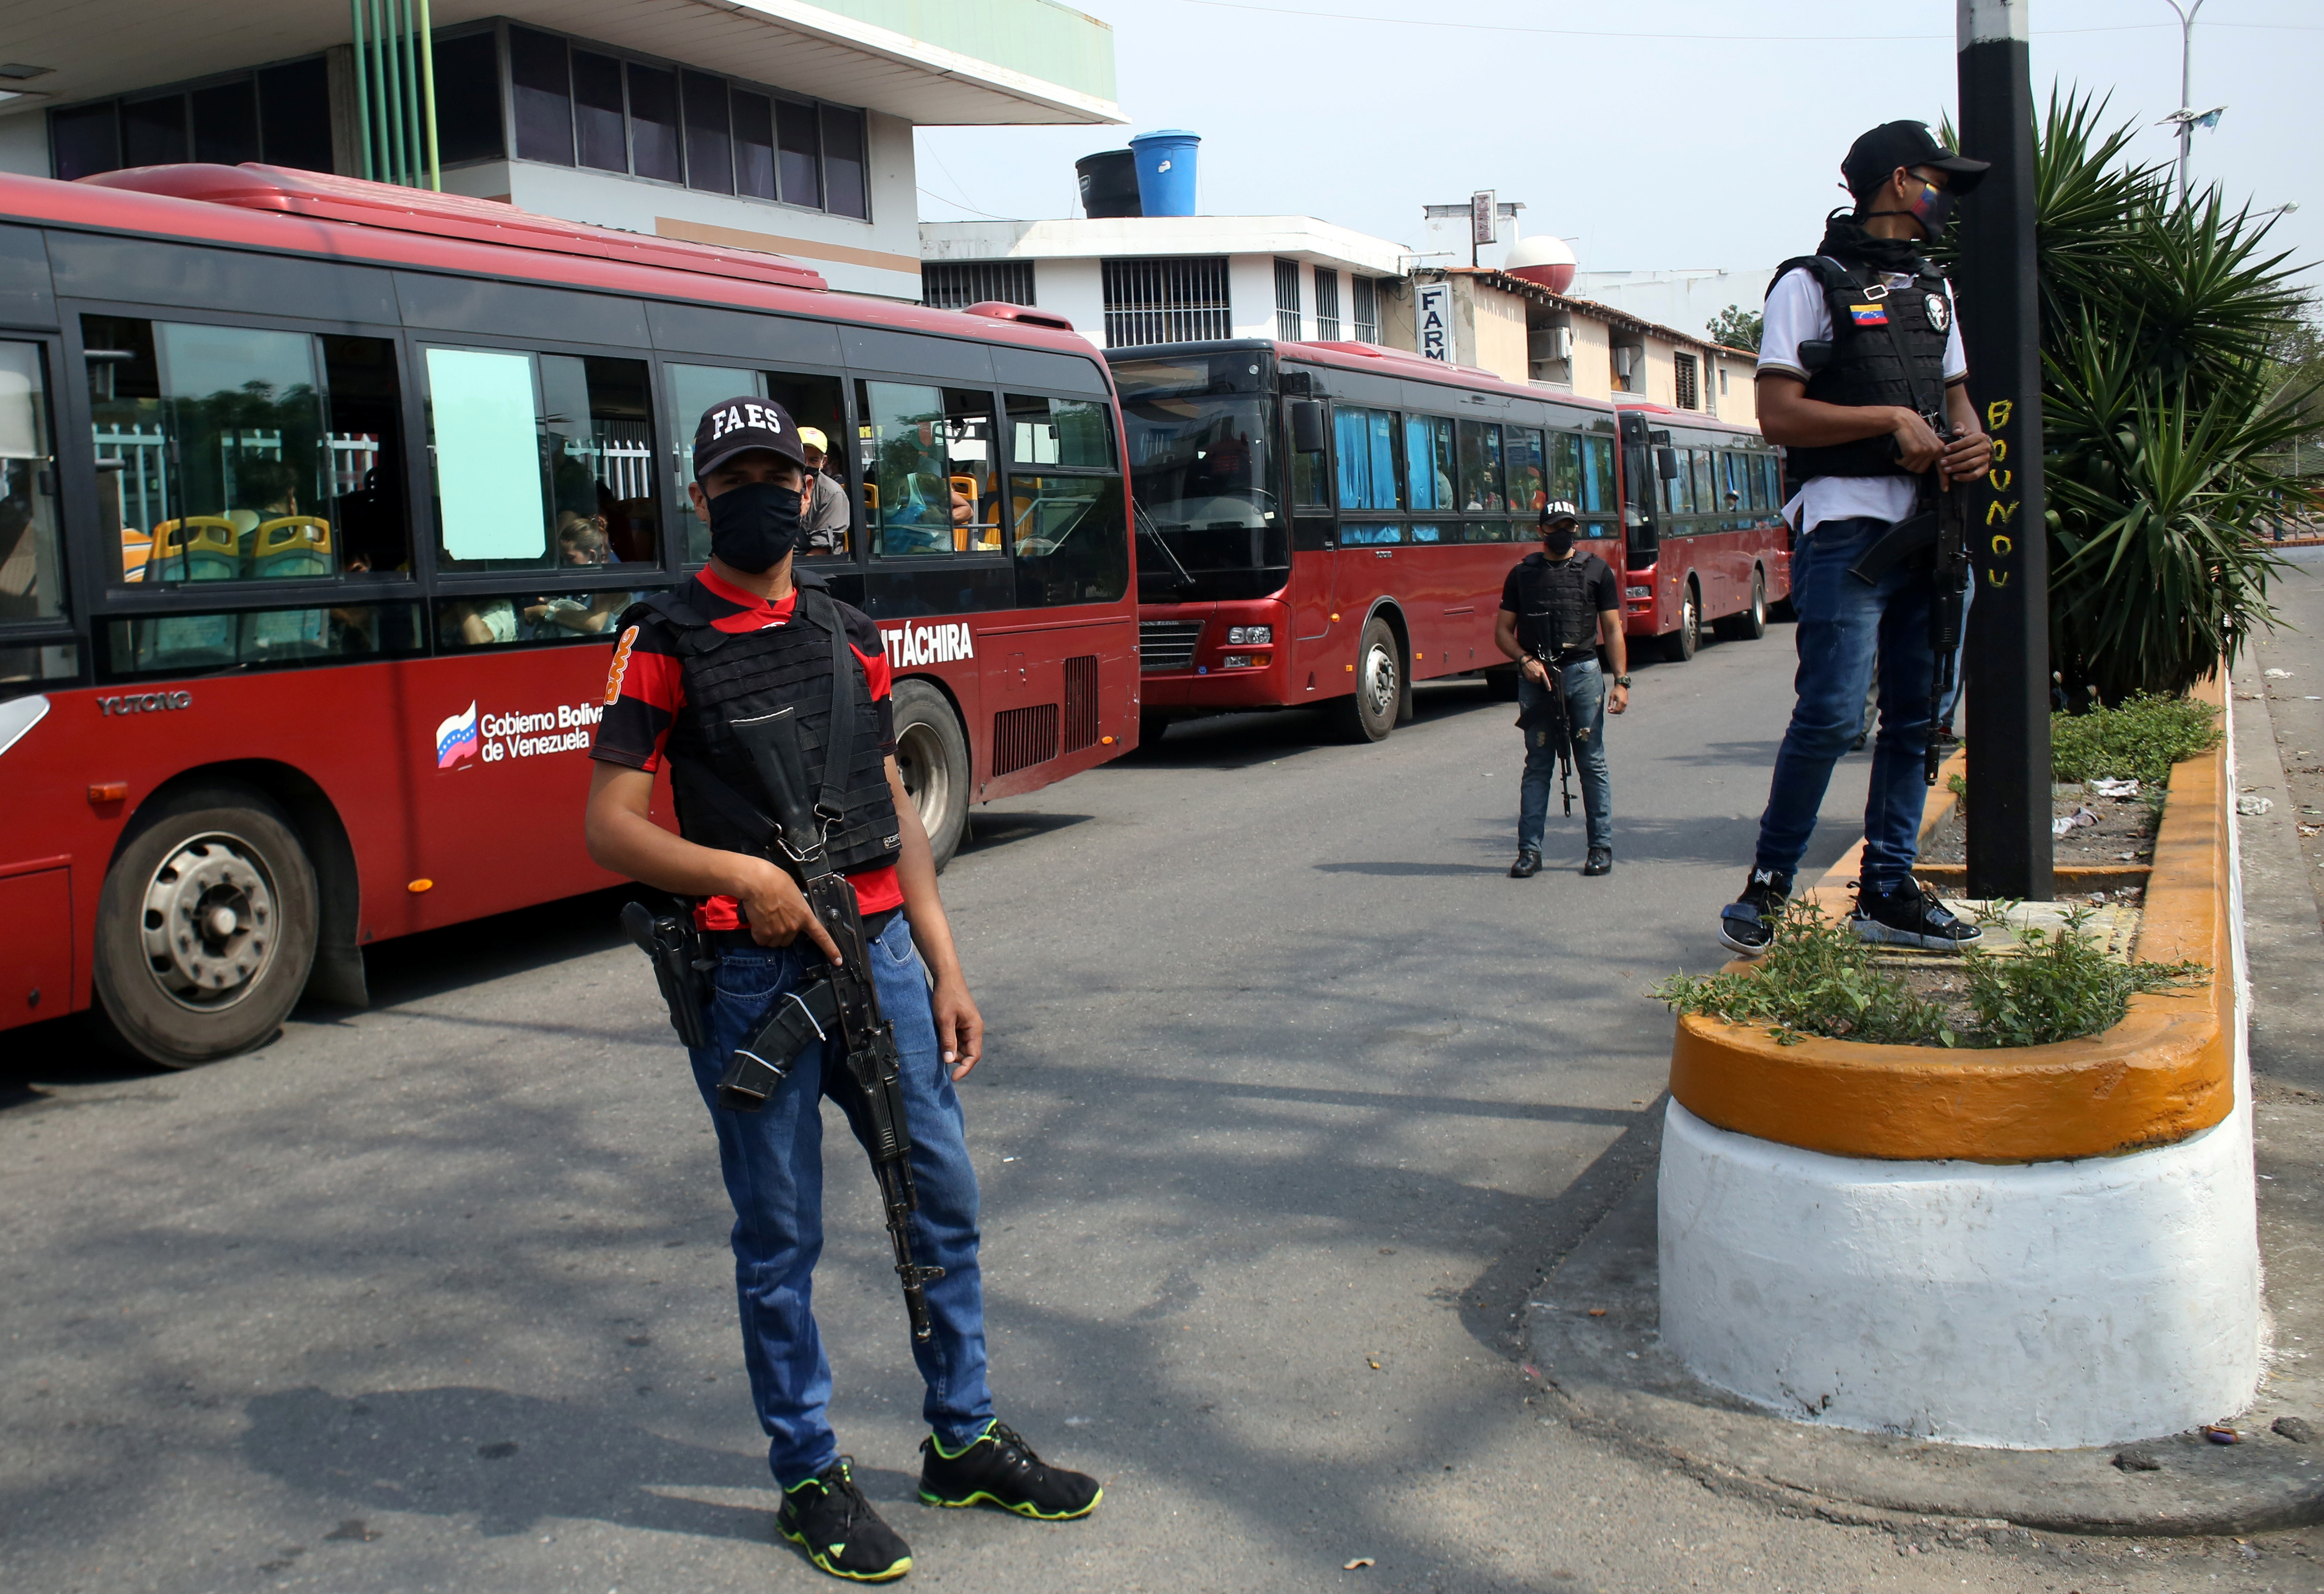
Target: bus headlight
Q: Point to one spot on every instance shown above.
(1235, 661)
(1246, 636)
(1637, 592)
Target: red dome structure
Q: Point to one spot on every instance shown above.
(1544, 260)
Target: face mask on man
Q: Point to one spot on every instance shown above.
(1558, 540)
(1932, 210)
(754, 525)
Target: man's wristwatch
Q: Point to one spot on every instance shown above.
(1623, 682)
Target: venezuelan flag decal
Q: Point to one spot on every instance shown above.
(1868, 315)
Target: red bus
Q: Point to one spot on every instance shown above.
(1702, 500)
(320, 497)
(1328, 522)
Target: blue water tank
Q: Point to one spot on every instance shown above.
(1166, 170)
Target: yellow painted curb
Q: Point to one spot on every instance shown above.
(2163, 1074)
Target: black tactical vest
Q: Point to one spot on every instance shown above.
(732, 675)
(1555, 616)
(1887, 347)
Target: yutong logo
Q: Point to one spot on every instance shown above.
(496, 738)
(929, 644)
(150, 703)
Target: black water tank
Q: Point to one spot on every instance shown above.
(1108, 184)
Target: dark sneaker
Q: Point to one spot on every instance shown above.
(1748, 924)
(828, 1518)
(999, 1469)
(1908, 914)
(1528, 864)
(1602, 861)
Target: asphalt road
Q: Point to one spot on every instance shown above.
(1291, 1096)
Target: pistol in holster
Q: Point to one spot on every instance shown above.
(681, 965)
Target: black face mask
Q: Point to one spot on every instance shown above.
(1559, 542)
(754, 525)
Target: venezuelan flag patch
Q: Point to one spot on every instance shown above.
(1869, 314)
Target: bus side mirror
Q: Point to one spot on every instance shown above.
(1306, 426)
(1666, 464)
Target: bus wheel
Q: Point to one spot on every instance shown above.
(1370, 713)
(206, 928)
(1751, 624)
(932, 756)
(1152, 727)
(1679, 646)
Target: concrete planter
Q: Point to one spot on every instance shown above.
(2041, 1248)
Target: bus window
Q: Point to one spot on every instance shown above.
(1492, 531)
(242, 454)
(30, 579)
(1771, 473)
(1076, 433)
(1565, 470)
(1597, 492)
(1706, 490)
(1429, 534)
(1529, 471)
(1732, 488)
(812, 400)
(1678, 489)
(1374, 536)
(1428, 457)
(1072, 546)
(1367, 441)
(164, 643)
(1481, 485)
(929, 485)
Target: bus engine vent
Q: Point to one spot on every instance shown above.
(1167, 647)
(1023, 737)
(1081, 703)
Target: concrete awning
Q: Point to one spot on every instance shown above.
(1002, 62)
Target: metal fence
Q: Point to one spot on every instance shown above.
(957, 284)
(1367, 306)
(1288, 318)
(1327, 304)
(1177, 299)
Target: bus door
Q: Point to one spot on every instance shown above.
(1314, 534)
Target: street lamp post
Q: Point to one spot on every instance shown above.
(2008, 654)
(2186, 87)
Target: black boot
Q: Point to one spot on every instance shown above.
(1602, 861)
(1528, 864)
(828, 1518)
(998, 1467)
(1748, 924)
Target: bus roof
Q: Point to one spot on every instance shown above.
(1696, 418)
(276, 208)
(1376, 359)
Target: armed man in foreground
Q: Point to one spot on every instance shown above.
(1863, 381)
(799, 973)
(1558, 609)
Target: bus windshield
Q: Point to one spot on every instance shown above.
(1202, 471)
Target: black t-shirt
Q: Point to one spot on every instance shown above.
(1605, 587)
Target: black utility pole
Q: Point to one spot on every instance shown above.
(2008, 654)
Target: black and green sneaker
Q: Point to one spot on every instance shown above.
(828, 1518)
(998, 1467)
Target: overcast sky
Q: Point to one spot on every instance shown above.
(1654, 133)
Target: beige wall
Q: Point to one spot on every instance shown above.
(1740, 402)
(1497, 334)
(1593, 370)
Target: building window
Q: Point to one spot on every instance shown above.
(1682, 369)
(1289, 322)
(1327, 304)
(1722, 380)
(280, 115)
(1367, 307)
(1171, 300)
(957, 284)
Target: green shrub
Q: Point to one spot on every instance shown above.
(2139, 741)
(1819, 979)
(2061, 988)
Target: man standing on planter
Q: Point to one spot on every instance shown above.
(1861, 353)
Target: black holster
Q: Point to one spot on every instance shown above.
(681, 966)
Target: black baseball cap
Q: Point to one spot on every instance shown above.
(738, 425)
(1554, 512)
(1874, 159)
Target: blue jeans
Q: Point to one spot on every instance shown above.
(1584, 686)
(1844, 626)
(772, 1160)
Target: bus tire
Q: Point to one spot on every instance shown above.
(1369, 713)
(1152, 726)
(1679, 646)
(932, 756)
(205, 928)
(1751, 624)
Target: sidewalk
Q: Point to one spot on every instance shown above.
(1615, 1379)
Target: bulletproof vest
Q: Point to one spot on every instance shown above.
(1555, 616)
(744, 675)
(1887, 347)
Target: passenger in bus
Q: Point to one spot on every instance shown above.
(750, 639)
(1558, 609)
(826, 513)
(581, 542)
(1865, 321)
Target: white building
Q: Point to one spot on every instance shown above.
(1171, 279)
(771, 125)
(1686, 298)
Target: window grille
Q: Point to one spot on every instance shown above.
(1367, 307)
(1023, 737)
(1173, 299)
(955, 285)
(1081, 702)
(1682, 369)
(1288, 318)
(1327, 304)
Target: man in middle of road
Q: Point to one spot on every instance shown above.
(747, 641)
(1558, 608)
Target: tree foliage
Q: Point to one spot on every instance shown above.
(1737, 328)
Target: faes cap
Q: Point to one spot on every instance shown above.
(738, 425)
(1873, 158)
(1557, 509)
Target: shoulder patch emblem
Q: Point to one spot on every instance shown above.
(620, 667)
(1868, 315)
(1939, 308)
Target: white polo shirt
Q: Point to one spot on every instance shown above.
(1798, 313)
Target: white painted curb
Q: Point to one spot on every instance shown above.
(2032, 1306)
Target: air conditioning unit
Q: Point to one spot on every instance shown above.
(1628, 358)
(1549, 343)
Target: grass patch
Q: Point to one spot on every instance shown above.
(1819, 979)
(2139, 741)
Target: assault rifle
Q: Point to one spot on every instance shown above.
(1938, 529)
(1553, 719)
